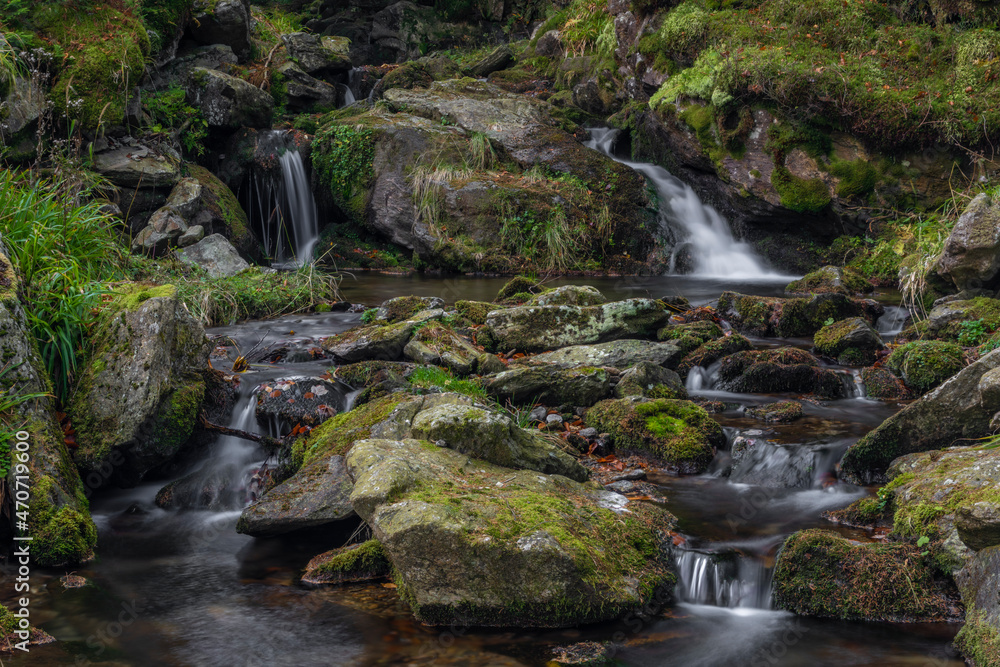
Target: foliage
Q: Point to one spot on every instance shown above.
(163, 18)
(342, 157)
(168, 109)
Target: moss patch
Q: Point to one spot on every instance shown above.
(337, 434)
(924, 364)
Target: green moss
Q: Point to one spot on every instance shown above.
(799, 194)
(368, 559)
(979, 640)
(980, 318)
(516, 288)
(223, 204)
(337, 434)
(924, 365)
(865, 512)
(831, 279)
(708, 353)
(61, 533)
(782, 412)
(132, 295)
(857, 178)
(176, 419)
(474, 311)
(441, 379)
(342, 157)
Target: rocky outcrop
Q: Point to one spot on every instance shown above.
(316, 55)
(528, 550)
(222, 22)
(227, 102)
(306, 92)
(831, 279)
(961, 408)
(971, 255)
(140, 390)
(215, 254)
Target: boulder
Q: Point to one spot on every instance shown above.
(979, 584)
(770, 316)
(357, 562)
(221, 213)
(140, 389)
(198, 490)
(300, 400)
(708, 353)
(784, 369)
(549, 45)
(227, 102)
(780, 412)
(24, 104)
(650, 380)
(820, 573)
(185, 198)
(569, 295)
(138, 166)
(925, 364)
(492, 546)
(852, 342)
(678, 433)
(971, 255)
(494, 437)
(951, 319)
(59, 522)
(191, 236)
(691, 335)
(439, 345)
(150, 242)
(550, 384)
(306, 92)
(881, 383)
(384, 342)
(616, 353)
(315, 55)
(216, 255)
(533, 329)
(831, 280)
(499, 58)
(318, 494)
(225, 22)
(960, 409)
(404, 307)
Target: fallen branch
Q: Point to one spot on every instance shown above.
(266, 440)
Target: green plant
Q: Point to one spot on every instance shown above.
(168, 111)
(972, 332)
(368, 316)
(342, 157)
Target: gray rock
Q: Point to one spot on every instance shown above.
(550, 384)
(191, 236)
(616, 354)
(168, 222)
(228, 102)
(569, 295)
(438, 345)
(979, 584)
(549, 45)
(318, 494)
(150, 242)
(316, 55)
(380, 341)
(499, 58)
(851, 334)
(305, 91)
(185, 198)
(137, 166)
(222, 22)
(214, 254)
(971, 255)
(651, 380)
(404, 307)
(23, 106)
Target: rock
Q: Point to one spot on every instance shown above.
(228, 102)
(949, 319)
(357, 562)
(691, 335)
(650, 380)
(960, 409)
(304, 91)
(616, 353)
(316, 55)
(525, 550)
(300, 400)
(221, 213)
(708, 353)
(831, 280)
(185, 198)
(137, 166)
(925, 364)
(569, 295)
(550, 384)
(150, 242)
(761, 463)
(516, 287)
(971, 255)
(59, 522)
(781, 412)
(499, 58)
(979, 584)
(379, 341)
(852, 342)
(532, 329)
(24, 104)
(139, 393)
(318, 494)
(494, 437)
(199, 491)
(881, 383)
(222, 22)
(768, 316)
(784, 369)
(820, 573)
(549, 45)
(404, 307)
(438, 345)
(679, 433)
(215, 255)
(213, 56)
(191, 236)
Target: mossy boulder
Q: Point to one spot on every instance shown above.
(852, 342)
(677, 432)
(783, 369)
(474, 311)
(831, 279)
(366, 561)
(780, 412)
(925, 364)
(12, 634)
(882, 383)
(569, 295)
(404, 307)
(222, 22)
(227, 102)
(538, 328)
(384, 342)
(820, 573)
(221, 213)
(690, 336)
(493, 546)
(616, 354)
(961, 408)
(979, 584)
(548, 383)
(771, 316)
(518, 285)
(141, 386)
(711, 351)
(966, 321)
(971, 255)
(439, 345)
(650, 380)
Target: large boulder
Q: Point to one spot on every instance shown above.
(679, 433)
(979, 584)
(533, 329)
(960, 409)
(711, 351)
(493, 546)
(852, 342)
(215, 254)
(831, 279)
(141, 387)
(59, 522)
(315, 54)
(925, 364)
(569, 295)
(138, 166)
(439, 345)
(616, 354)
(770, 316)
(220, 213)
(306, 92)
(384, 342)
(784, 369)
(971, 255)
(227, 102)
(222, 22)
(550, 384)
(820, 573)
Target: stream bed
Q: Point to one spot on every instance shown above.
(181, 587)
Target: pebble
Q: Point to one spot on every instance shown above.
(589, 432)
(554, 419)
(538, 414)
(633, 474)
(621, 486)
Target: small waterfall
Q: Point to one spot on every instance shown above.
(892, 321)
(703, 242)
(347, 91)
(723, 580)
(281, 203)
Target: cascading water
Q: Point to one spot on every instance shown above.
(347, 91)
(723, 580)
(703, 243)
(892, 321)
(281, 204)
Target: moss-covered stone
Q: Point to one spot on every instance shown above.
(358, 562)
(518, 285)
(768, 316)
(584, 385)
(474, 311)
(781, 412)
(852, 342)
(779, 370)
(404, 307)
(924, 364)
(677, 432)
(9, 624)
(831, 279)
(820, 573)
(228, 217)
(440, 345)
(690, 336)
(881, 383)
(652, 381)
(708, 353)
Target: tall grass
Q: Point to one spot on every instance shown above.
(64, 252)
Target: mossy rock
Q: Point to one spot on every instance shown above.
(377, 341)
(652, 381)
(862, 513)
(831, 279)
(965, 321)
(784, 369)
(781, 412)
(517, 286)
(366, 561)
(474, 311)
(404, 307)
(679, 433)
(688, 337)
(881, 383)
(228, 217)
(440, 345)
(979, 639)
(581, 386)
(569, 295)
(820, 573)
(852, 342)
(770, 316)
(10, 625)
(925, 364)
(708, 353)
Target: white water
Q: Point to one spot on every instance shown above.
(723, 580)
(301, 205)
(705, 234)
(892, 321)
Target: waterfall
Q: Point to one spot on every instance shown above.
(703, 243)
(281, 204)
(723, 580)
(347, 91)
(892, 321)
